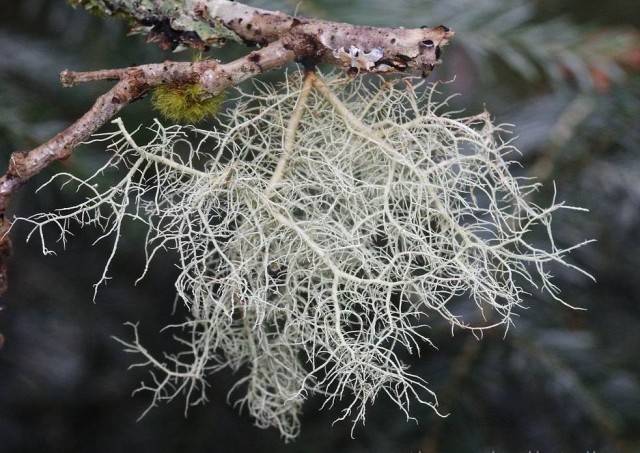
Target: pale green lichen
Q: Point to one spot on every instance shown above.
(390, 212)
(139, 14)
(212, 34)
(96, 7)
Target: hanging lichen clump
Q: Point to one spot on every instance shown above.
(332, 220)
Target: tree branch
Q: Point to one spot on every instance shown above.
(283, 39)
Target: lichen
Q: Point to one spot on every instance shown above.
(145, 15)
(96, 7)
(357, 58)
(390, 212)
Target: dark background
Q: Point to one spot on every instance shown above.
(565, 72)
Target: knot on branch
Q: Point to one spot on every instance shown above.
(308, 50)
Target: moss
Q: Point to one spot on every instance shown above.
(189, 103)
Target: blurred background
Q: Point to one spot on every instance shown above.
(565, 72)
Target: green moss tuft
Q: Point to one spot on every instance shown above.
(189, 103)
